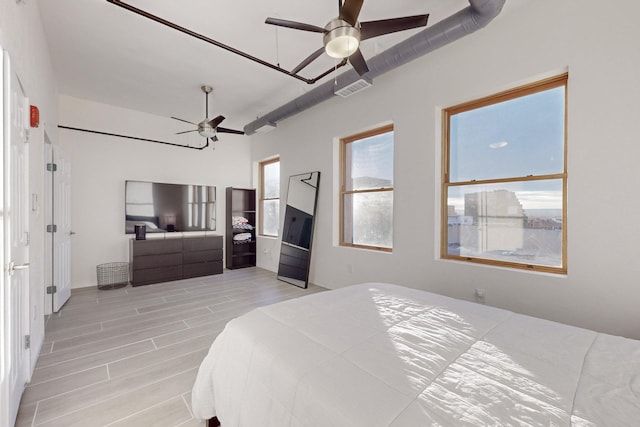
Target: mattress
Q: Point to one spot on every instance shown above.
(378, 354)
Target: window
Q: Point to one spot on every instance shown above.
(366, 189)
(504, 179)
(270, 197)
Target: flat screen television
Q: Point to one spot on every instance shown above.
(167, 208)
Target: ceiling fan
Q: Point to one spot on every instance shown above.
(208, 128)
(342, 35)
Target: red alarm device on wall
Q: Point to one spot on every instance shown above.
(34, 116)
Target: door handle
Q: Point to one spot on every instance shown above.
(13, 267)
(71, 233)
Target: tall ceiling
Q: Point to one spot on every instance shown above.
(105, 53)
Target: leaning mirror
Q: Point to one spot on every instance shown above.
(297, 230)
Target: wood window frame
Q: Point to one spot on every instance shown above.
(262, 199)
(343, 145)
(561, 80)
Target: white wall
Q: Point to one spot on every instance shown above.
(22, 37)
(597, 43)
(100, 165)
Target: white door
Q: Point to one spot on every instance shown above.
(16, 244)
(63, 233)
(48, 214)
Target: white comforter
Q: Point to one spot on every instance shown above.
(383, 355)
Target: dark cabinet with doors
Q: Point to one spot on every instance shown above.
(241, 227)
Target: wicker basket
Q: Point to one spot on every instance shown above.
(113, 275)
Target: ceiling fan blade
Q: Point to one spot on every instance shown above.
(358, 63)
(182, 120)
(215, 122)
(295, 25)
(386, 26)
(187, 131)
(225, 130)
(309, 59)
(350, 11)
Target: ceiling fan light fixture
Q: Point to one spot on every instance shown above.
(205, 129)
(341, 39)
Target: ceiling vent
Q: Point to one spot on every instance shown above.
(353, 88)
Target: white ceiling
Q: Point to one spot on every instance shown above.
(105, 53)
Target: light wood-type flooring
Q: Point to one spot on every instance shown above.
(129, 356)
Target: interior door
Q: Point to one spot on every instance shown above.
(48, 214)
(16, 243)
(62, 235)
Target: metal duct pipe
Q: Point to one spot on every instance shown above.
(474, 17)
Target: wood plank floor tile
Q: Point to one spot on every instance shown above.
(132, 364)
(63, 384)
(75, 400)
(132, 326)
(172, 412)
(60, 334)
(26, 414)
(193, 423)
(180, 337)
(95, 347)
(168, 315)
(127, 404)
(47, 373)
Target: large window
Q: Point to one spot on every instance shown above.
(366, 195)
(270, 197)
(504, 178)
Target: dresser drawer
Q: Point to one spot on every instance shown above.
(202, 256)
(155, 261)
(202, 243)
(159, 246)
(155, 275)
(202, 269)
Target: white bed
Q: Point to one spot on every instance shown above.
(383, 355)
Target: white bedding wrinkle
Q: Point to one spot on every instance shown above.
(609, 389)
(383, 355)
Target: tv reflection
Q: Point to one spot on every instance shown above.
(167, 208)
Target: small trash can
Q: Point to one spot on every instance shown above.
(113, 275)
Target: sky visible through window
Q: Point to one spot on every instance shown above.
(373, 158)
(515, 138)
(271, 183)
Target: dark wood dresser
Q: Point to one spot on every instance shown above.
(163, 260)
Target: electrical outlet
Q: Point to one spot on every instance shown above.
(480, 295)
